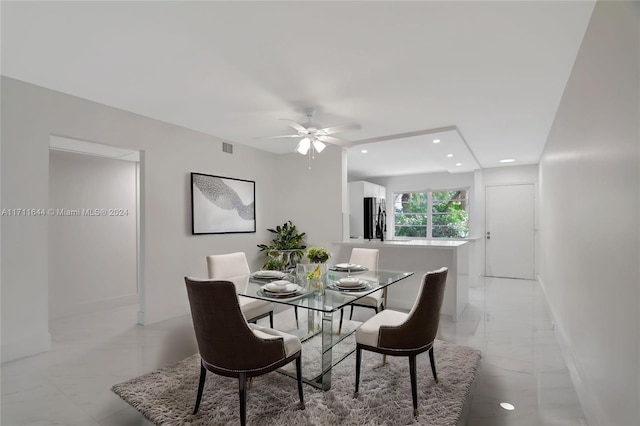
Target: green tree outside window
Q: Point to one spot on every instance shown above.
(449, 212)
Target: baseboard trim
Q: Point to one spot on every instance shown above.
(590, 406)
(25, 346)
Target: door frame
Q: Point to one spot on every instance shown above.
(79, 146)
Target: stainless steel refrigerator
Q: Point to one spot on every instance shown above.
(374, 218)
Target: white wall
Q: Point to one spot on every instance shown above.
(92, 259)
(510, 175)
(30, 114)
(589, 214)
(313, 199)
(423, 181)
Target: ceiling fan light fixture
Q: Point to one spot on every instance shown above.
(314, 138)
(318, 146)
(303, 146)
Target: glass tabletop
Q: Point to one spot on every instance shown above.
(333, 299)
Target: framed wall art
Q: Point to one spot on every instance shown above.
(222, 205)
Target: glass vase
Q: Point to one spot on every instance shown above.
(316, 276)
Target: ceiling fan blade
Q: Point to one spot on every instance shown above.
(277, 137)
(295, 125)
(335, 141)
(340, 129)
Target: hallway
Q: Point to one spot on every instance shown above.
(521, 360)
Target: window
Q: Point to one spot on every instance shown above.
(410, 212)
(431, 214)
(450, 210)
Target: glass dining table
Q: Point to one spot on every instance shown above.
(324, 345)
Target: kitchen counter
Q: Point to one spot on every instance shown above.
(405, 243)
(421, 256)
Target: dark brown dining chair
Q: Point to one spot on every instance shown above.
(398, 334)
(231, 347)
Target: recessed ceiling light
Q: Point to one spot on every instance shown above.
(458, 164)
(364, 151)
(507, 406)
(507, 160)
(449, 155)
(436, 141)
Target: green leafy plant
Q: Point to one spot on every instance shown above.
(287, 245)
(274, 265)
(318, 255)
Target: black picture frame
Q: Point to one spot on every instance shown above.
(222, 205)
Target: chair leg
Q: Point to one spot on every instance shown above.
(351, 315)
(295, 311)
(433, 364)
(299, 374)
(242, 384)
(271, 319)
(203, 375)
(341, 316)
(414, 384)
(358, 359)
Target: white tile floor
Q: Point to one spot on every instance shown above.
(506, 319)
(521, 360)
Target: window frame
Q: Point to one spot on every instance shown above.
(429, 213)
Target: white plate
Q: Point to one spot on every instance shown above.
(348, 266)
(279, 295)
(360, 287)
(276, 287)
(278, 284)
(269, 274)
(350, 282)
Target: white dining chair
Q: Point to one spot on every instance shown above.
(235, 268)
(369, 259)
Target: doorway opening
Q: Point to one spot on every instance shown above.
(96, 226)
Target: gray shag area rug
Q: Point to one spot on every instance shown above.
(167, 396)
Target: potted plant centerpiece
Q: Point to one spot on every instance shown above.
(317, 270)
(286, 249)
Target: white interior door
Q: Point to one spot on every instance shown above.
(509, 231)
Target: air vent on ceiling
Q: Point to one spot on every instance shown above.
(227, 147)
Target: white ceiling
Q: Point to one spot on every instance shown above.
(492, 71)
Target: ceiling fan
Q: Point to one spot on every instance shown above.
(313, 137)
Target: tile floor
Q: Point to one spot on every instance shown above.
(521, 360)
(506, 319)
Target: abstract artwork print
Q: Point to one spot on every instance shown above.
(222, 205)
